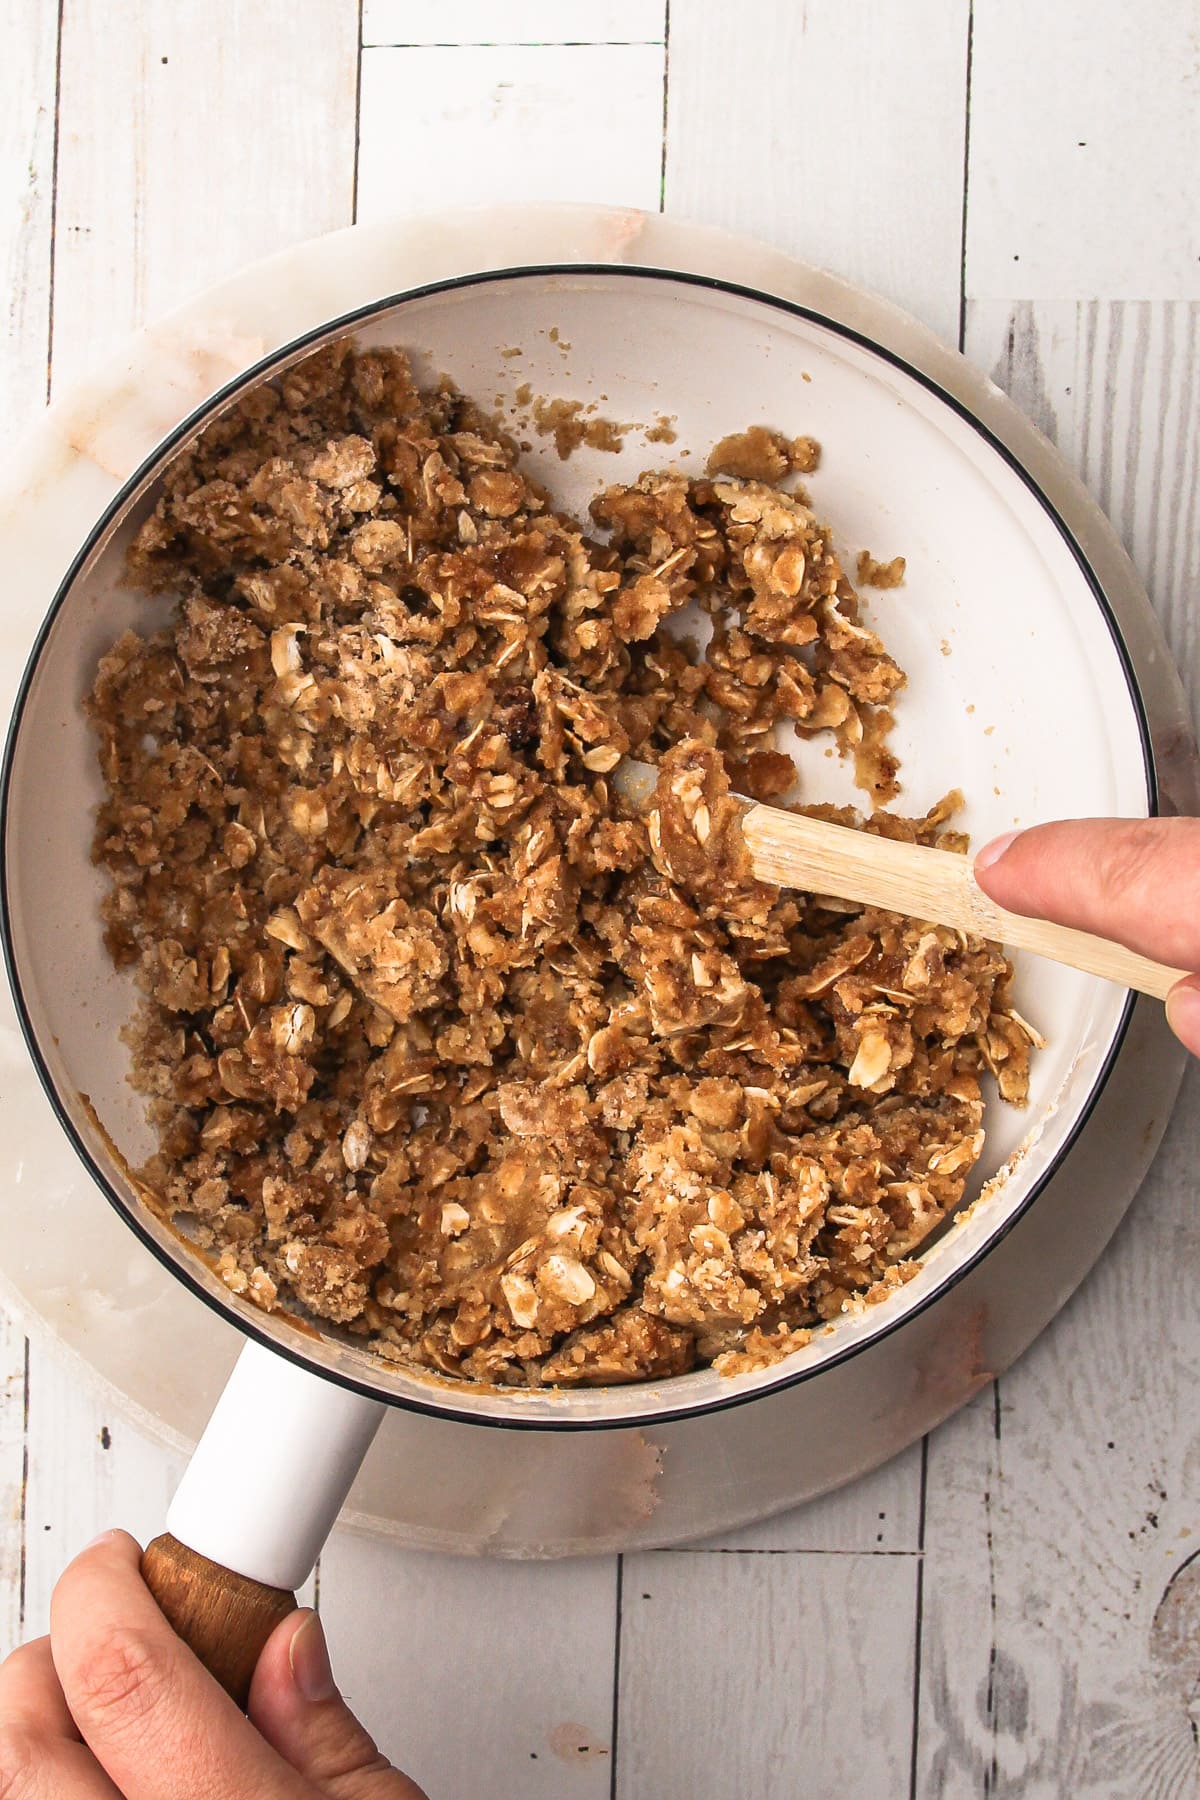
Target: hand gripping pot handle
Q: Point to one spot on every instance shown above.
(255, 1505)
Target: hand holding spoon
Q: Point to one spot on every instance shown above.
(790, 850)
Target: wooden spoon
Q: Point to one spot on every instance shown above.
(790, 850)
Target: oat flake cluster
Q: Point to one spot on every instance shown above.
(441, 1040)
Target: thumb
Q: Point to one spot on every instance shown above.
(296, 1706)
(1134, 880)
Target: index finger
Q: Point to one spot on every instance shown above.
(153, 1718)
(1136, 881)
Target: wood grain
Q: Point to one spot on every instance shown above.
(879, 1512)
(835, 131)
(476, 1676)
(220, 1615)
(1116, 384)
(770, 1676)
(29, 34)
(206, 145)
(13, 1354)
(1061, 1605)
(1085, 139)
(525, 103)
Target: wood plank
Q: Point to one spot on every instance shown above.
(1085, 141)
(835, 131)
(28, 33)
(1062, 1605)
(1058, 1597)
(516, 22)
(880, 1514)
(201, 149)
(89, 1469)
(505, 123)
(765, 1675)
(476, 1676)
(13, 1352)
(1116, 384)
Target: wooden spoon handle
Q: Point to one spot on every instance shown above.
(225, 1618)
(793, 851)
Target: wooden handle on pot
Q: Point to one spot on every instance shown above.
(793, 851)
(225, 1618)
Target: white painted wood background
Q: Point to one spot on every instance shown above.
(1008, 1609)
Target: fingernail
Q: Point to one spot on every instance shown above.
(1183, 1015)
(308, 1656)
(102, 1537)
(991, 853)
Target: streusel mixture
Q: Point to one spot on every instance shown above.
(441, 1040)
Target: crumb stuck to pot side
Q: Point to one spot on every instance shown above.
(760, 454)
(441, 1041)
(574, 422)
(873, 573)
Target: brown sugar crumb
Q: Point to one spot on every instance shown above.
(880, 574)
(805, 455)
(663, 430)
(759, 454)
(513, 350)
(570, 425)
(604, 434)
(443, 1044)
(764, 775)
(762, 1349)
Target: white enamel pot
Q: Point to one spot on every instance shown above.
(1020, 691)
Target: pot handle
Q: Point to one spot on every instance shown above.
(255, 1505)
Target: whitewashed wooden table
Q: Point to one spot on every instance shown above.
(1007, 1609)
